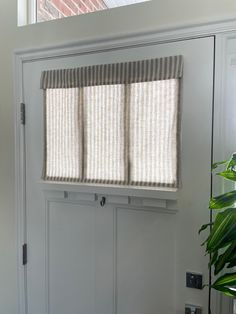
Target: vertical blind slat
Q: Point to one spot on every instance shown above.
(153, 142)
(63, 150)
(104, 129)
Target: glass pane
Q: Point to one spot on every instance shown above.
(56, 9)
(153, 132)
(104, 108)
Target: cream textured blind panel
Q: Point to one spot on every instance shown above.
(63, 134)
(114, 123)
(104, 134)
(153, 133)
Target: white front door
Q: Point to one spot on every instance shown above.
(131, 255)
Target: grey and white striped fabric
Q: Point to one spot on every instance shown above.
(117, 73)
(104, 136)
(153, 138)
(63, 145)
(113, 123)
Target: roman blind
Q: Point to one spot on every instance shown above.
(113, 123)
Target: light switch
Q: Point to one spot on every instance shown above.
(194, 280)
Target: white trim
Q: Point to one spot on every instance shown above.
(32, 11)
(26, 12)
(124, 41)
(20, 187)
(223, 304)
(218, 136)
(154, 193)
(22, 12)
(83, 47)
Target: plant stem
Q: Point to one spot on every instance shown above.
(210, 268)
(209, 289)
(211, 176)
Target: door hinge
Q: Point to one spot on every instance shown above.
(22, 113)
(24, 254)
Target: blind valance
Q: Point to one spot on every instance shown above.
(116, 73)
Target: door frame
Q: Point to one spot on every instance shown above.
(81, 47)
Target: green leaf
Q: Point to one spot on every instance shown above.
(223, 231)
(232, 162)
(223, 200)
(213, 258)
(228, 174)
(226, 290)
(226, 284)
(232, 263)
(204, 227)
(222, 238)
(217, 164)
(224, 258)
(227, 280)
(232, 260)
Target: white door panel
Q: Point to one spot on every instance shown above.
(130, 256)
(145, 256)
(76, 258)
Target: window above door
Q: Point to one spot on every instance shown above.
(35, 11)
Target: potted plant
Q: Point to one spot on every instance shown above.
(221, 243)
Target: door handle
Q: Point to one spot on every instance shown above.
(103, 201)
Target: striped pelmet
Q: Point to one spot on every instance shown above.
(116, 73)
(153, 133)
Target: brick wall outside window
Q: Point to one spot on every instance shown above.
(55, 9)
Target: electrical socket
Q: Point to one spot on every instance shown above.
(192, 309)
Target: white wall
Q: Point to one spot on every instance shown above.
(152, 15)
